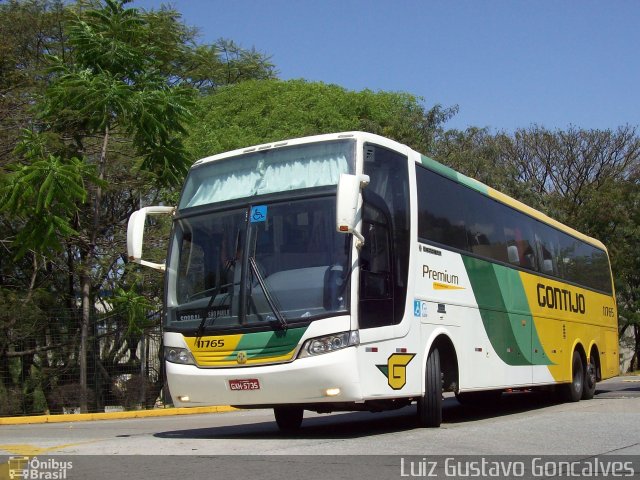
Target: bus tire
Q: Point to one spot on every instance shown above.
(590, 379)
(289, 419)
(572, 392)
(430, 404)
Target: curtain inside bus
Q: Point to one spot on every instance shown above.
(260, 173)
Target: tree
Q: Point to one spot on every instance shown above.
(113, 84)
(590, 180)
(473, 152)
(254, 112)
(103, 96)
(29, 30)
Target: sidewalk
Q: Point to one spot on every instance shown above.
(83, 417)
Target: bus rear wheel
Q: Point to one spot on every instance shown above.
(289, 419)
(572, 392)
(590, 379)
(430, 404)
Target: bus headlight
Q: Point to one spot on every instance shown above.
(329, 343)
(178, 355)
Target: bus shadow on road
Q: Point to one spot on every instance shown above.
(625, 392)
(363, 424)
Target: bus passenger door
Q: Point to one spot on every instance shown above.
(387, 364)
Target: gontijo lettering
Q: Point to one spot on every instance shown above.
(560, 299)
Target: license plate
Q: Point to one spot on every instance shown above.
(244, 384)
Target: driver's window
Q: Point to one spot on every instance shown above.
(375, 262)
(376, 276)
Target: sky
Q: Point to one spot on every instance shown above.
(506, 64)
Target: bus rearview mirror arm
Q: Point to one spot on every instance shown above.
(135, 234)
(347, 201)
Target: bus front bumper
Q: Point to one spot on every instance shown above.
(326, 378)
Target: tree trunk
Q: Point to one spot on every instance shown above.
(84, 337)
(86, 276)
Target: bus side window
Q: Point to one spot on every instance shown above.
(518, 232)
(548, 250)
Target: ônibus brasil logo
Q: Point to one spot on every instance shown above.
(36, 469)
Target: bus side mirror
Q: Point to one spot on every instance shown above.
(347, 204)
(135, 234)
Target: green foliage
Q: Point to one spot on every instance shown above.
(110, 39)
(94, 100)
(29, 30)
(135, 307)
(114, 82)
(255, 112)
(473, 152)
(207, 67)
(45, 194)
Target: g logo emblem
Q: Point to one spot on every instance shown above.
(396, 369)
(241, 358)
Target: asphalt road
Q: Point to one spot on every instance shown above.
(346, 445)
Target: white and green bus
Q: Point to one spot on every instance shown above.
(348, 272)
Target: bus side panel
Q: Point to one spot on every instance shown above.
(470, 298)
(566, 316)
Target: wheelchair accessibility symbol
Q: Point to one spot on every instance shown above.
(420, 308)
(258, 214)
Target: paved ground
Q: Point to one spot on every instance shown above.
(351, 445)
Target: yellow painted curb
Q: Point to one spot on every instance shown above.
(84, 417)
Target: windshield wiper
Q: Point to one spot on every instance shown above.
(267, 294)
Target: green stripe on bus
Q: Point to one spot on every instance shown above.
(440, 169)
(451, 174)
(512, 288)
(505, 312)
(269, 344)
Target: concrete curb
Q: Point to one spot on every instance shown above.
(84, 417)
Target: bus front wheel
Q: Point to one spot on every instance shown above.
(289, 419)
(430, 404)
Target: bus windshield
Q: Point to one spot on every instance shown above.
(250, 266)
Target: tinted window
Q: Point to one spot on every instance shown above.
(520, 239)
(386, 222)
(441, 210)
(549, 258)
(457, 216)
(584, 264)
(601, 274)
(485, 228)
